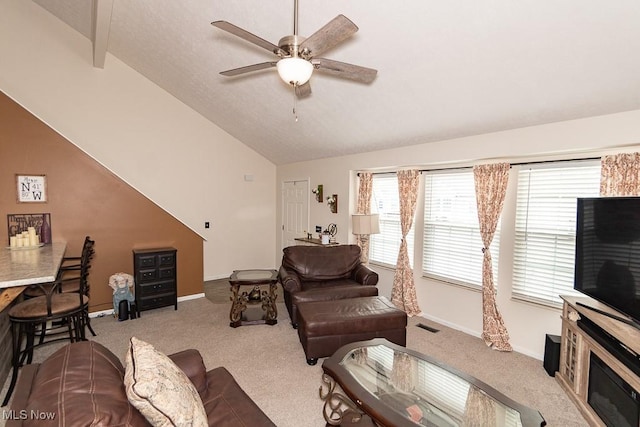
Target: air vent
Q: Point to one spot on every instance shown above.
(427, 328)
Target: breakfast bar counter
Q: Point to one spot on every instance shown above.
(21, 267)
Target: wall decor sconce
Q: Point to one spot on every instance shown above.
(332, 201)
(318, 192)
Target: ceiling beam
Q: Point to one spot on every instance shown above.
(101, 24)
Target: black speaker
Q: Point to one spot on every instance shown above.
(552, 354)
(123, 310)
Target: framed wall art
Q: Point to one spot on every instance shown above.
(31, 188)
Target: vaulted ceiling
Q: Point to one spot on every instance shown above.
(445, 69)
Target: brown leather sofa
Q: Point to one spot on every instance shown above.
(324, 273)
(81, 384)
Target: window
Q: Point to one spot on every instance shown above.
(385, 201)
(452, 242)
(544, 243)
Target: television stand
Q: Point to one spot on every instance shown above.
(609, 314)
(590, 327)
(612, 345)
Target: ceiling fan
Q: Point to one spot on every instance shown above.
(299, 57)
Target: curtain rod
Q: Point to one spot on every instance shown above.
(539, 162)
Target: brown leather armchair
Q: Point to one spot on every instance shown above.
(324, 273)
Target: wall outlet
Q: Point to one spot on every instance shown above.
(318, 229)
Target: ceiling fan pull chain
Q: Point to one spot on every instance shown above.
(295, 102)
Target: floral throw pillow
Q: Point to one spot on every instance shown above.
(160, 390)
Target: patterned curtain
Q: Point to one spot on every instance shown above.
(491, 186)
(620, 175)
(365, 189)
(361, 355)
(403, 294)
(480, 409)
(404, 372)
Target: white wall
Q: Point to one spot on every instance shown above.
(184, 163)
(456, 306)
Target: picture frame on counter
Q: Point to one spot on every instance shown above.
(31, 188)
(20, 223)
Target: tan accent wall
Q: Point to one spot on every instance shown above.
(84, 198)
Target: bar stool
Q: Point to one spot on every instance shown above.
(29, 317)
(71, 275)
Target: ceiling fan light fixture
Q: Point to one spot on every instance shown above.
(294, 70)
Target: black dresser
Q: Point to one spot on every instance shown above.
(156, 278)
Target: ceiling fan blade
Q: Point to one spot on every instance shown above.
(246, 35)
(249, 68)
(336, 31)
(304, 90)
(344, 70)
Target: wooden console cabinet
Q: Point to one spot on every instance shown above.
(577, 345)
(155, 277)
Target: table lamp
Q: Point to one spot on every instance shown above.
(363, 226)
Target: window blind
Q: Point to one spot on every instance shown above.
(437, 386)
(385, 201)
(544, 242)
(452, 244)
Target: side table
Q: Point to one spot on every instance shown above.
(242, 312)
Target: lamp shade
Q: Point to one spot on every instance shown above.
(294, 71)
(365, 224)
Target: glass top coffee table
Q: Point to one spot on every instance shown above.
(389, 385)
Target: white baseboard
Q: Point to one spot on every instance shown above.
(188, 297)
(477, 334)
(103, 313)
(451, 325)
(222, 276)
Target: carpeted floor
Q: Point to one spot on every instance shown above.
(269, 363)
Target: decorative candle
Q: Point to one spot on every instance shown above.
(12, 241)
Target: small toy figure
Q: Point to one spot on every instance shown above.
(122, 284)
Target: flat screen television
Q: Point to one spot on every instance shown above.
(607, 258)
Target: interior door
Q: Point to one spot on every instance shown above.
(295, 211)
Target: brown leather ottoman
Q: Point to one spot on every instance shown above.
(325, 326)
